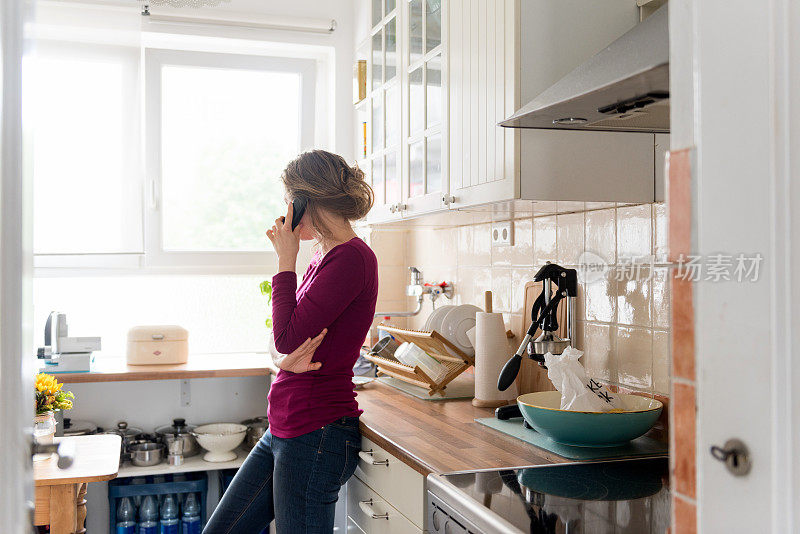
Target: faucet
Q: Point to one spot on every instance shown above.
(416, 288)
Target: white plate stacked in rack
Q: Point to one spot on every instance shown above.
(453, 322)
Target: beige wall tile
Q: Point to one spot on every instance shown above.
(429, 246)
(601, 234)
(545, 207)
(519, 277)
(661, 378)
(601, 299)
(521, 253)
(544, 240)
(389, 247)
(635, 357)
(474, 245)
(633, 299)
(623, 327)
(464, 245)
(392, 283)
(472, 282)
(501, 290)
(661, 298)
(563, 206)
(660, 232)
(599, 205)
(634, 232)
(599, 344)
(569, 240)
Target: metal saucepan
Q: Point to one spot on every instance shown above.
(179, 430)
(146, 454)
(256, 428)
(128, 435)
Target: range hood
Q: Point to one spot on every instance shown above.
(623, 88)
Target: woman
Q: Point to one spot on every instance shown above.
(295, 472)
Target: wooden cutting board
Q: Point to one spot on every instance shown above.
(532, 377)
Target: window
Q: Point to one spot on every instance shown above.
(86, 171)
(190, 178)
(220, 130)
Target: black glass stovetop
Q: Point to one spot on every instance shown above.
(613, 497)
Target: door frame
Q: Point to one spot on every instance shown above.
(745, 78)
(16, 383)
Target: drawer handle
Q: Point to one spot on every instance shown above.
(366, 507)
(367, 456)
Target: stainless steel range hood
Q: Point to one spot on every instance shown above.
(623, 88)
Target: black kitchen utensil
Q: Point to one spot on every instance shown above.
(543, 315)
(511, 411)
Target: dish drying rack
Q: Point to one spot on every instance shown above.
(435, 344)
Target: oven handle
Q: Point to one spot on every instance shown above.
(366, 507)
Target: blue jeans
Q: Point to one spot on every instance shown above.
(295, 481)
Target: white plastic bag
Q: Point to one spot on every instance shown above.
(579, 393)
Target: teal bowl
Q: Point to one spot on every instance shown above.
(542, 410)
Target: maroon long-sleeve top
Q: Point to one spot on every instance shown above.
(338, 292)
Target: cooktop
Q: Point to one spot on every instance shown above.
(612, 497)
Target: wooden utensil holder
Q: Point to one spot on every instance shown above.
(434, 344)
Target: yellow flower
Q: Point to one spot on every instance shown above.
(48, 383)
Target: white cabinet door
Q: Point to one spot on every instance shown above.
(380, 114)
(482, 92)
(425, 178)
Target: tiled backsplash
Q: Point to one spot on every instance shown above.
(623, 317)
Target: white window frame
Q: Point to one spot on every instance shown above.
(155, 256)
(130, 59)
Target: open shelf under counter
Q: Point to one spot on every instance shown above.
(195, 463)
(116, 369)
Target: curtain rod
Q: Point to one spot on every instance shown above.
(260, 22)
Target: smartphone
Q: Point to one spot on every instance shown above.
(299, 208)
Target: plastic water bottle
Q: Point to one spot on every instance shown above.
(137, 499)
(190, 520)
(148, 516)
(126, 517)
(169, 516)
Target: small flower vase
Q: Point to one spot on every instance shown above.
(44, 429)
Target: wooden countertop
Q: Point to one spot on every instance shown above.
(440, 436)
(96, 459)
(114, 369)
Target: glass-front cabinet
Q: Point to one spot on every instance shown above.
(400, 125)
(425, 183)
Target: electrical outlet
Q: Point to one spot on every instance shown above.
(502, 233)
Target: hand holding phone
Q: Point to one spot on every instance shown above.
(298, 209)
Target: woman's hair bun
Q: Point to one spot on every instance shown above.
(329, 183)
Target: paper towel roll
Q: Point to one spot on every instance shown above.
(492, 351)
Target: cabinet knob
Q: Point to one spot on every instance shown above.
(393, 208)
(448, 199)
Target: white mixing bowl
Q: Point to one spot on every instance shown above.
(219, 439)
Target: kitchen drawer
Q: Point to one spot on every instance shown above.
(394, 481)
(370, 514)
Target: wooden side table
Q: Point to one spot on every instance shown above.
(61, 493)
